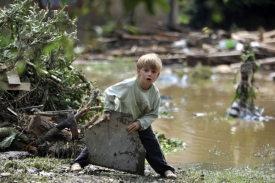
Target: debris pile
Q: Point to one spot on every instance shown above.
(38, 86)
(186, 46)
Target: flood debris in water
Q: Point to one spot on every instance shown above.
(243, 104)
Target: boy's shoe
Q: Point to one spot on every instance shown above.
(170, 175)
(76, 167)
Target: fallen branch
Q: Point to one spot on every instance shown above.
(90, 103)
(62, 112)
(90, 122)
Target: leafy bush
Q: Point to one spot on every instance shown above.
(38, 44)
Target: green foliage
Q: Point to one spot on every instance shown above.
(149, 5)
(7, 141)
(36, 36)
(245, 94)
(39, 43)
(187, 10)
(248, 56)
(129, 13)
(245, 91)
(170, 145)
(165, 114)
(201, 72)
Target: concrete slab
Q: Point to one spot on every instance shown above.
(111, 146)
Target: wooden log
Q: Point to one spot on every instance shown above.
(245, 36)
(269, 34)
(225, 54)
(47, 130)
(266, 47)
(18, 145)
(264, 61)
(39, 126)
(46, 136)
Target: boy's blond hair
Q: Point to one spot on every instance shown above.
(150, 60)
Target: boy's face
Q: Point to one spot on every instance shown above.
(147, 76)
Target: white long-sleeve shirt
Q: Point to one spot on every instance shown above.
(128, 97)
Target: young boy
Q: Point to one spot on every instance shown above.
(139, 97)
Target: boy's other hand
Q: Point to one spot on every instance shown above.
(106, 115)
(133, 127)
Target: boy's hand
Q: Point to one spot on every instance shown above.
(133, 127)
(106, 115)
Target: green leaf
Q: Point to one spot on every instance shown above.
(7, 141)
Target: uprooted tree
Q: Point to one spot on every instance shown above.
(36, 76)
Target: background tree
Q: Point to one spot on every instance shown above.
(227, 14)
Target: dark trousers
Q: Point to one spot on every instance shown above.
(154, 154)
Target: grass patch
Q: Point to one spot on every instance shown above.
(57, 170)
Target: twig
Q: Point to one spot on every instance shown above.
(31, 107)
(63, 112)
(90, 103)
(90, 122)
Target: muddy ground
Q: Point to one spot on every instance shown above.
(24, 168)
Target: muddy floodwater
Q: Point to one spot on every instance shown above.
(198, 117)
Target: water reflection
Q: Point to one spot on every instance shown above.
(251, 125)
(198, 111)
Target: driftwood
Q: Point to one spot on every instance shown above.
(259, 61)
(259, 35)
(39, 126)
(90, 122)
(20, 146)
(52, 130)
(59, 149)
(62, 113)
(89, 104)
(40, 130)
(196, 47)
